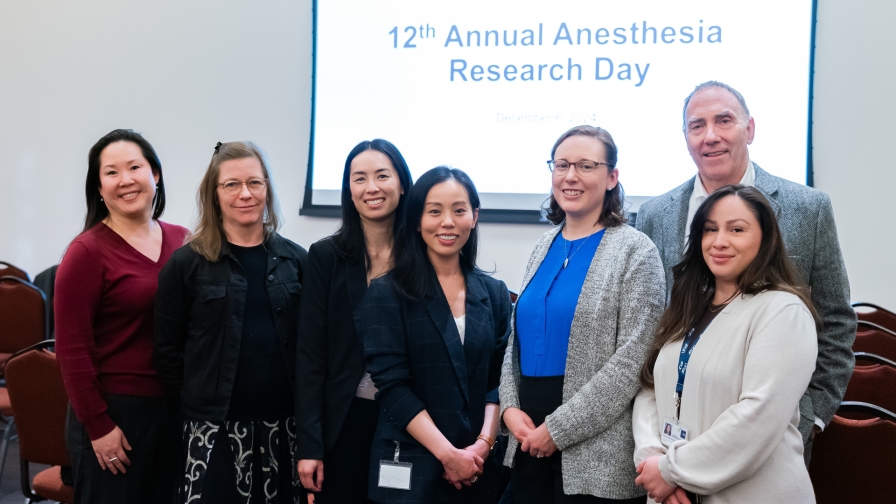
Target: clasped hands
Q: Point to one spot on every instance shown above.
(657, 489)
(463, 467)
(536, 441)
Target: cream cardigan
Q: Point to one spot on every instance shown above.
(740, 403)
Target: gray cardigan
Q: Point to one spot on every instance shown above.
(617, 312)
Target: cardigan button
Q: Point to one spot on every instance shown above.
(270, 278)
(279, 310)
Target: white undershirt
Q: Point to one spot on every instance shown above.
(699, 195)
(461, 323)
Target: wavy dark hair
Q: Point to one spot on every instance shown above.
(349, 239)
(612, 213)
(96, 209)
(413, 272)
(694, 284)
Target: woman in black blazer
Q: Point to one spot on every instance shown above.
(335, 408)
(434, 333)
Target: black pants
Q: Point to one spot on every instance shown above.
(150, 426)
(347, 465)
(540, 480)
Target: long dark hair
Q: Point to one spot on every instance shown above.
(694, 284)
(96, 209)
(349, 239)
(612, 213)
(413, 272)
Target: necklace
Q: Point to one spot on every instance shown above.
(566, 251)
(715, 308)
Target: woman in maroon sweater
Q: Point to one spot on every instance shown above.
(122, 429)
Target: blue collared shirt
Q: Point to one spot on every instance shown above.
(546, 307)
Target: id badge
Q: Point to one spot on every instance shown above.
(395, 475)
(673, 432)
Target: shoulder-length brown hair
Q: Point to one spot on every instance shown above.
(612, 214)
(694, 284)
(209, 234)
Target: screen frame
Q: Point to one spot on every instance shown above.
(497, 215)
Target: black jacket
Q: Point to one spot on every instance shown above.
(199, 325)
(330, 358)
(417, 362)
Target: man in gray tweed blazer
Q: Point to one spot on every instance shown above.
(718, 129)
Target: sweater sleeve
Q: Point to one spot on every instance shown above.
(598, 404)
(79, 291)
(780, 358)
(646, 426)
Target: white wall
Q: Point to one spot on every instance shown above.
(188, 74)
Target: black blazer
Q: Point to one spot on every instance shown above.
(417, 362)
(329, 356)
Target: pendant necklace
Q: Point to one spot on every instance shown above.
(715, 308)
(566, 251)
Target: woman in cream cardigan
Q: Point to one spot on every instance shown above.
(591, 298)
(732, 356)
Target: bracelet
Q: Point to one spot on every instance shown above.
(488, 441)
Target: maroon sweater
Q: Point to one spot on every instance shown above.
(104, 300)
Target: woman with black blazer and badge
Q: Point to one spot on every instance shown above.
(336, 412)
(434, 334)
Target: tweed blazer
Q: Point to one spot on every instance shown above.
(418, 362)
(806, 219)
(617, 312)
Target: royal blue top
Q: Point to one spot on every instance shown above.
(546, 307)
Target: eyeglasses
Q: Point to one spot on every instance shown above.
(582, 167)
(232, 187)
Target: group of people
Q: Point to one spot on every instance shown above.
(230, 365)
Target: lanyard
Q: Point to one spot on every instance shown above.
(687, 348)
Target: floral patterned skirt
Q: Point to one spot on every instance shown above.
(240, 462)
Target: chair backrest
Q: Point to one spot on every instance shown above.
(875, 384)
(40, 402)
(853, 460)
(23, 314)
(875, 339)
(46, 281)
(869, 312)
(7, 269)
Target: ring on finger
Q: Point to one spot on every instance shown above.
(113, 459)
(539, 456)
(475, 479)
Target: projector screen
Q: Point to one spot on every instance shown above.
(488, 87)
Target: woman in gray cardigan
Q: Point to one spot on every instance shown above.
(592, 295)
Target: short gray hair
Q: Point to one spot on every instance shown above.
(706, 85)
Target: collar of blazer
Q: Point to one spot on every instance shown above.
(676, 210)
(464, 356)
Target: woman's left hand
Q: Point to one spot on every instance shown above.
(652, 480)
(539, 442)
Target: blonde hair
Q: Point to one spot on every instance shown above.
(208, 234)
